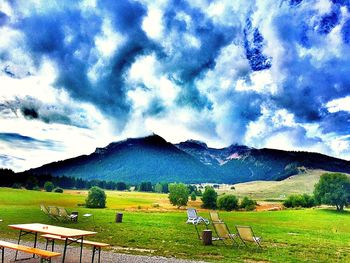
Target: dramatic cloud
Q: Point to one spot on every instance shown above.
(263, 73)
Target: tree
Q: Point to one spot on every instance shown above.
(31, 182)
(48, 186)
(121, 186)
(158, 188)
(228, 202)
(333, 189)
(178, 194)
(193, 196)
(96, 198)
(209, 198)
(145, 187)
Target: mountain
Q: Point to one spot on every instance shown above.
(133, 161)
(153, 159)
(242, 164)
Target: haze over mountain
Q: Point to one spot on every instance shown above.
(153, 159)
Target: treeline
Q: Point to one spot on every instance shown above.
(30, 181)
(9, 178)
(163, 187)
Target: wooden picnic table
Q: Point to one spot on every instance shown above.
(70, 235)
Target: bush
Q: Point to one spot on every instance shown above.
(48, 186)
(228, 202)
(17, 186)
(209, 198)
(58, 190)
(36, 188)
(248, 204)
(178, 194)
(193, 196)
(96, 198)
(304, 200)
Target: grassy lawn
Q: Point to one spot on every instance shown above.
(308, 235)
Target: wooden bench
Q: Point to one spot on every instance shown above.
(96, 246)
(44, 255)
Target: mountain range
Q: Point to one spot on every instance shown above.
(153, 159)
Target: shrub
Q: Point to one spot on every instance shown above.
(193, 196)
(178, 194)
(209, 198)
(36, 188)
(58, 190)
(304, 200)
(48, 186)
(96, 198)
(17, 186)
(248, 204)
(228, 202)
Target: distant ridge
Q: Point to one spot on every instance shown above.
(153, 159)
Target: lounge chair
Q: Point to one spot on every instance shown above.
(65, 216)
(193, 218)
(246, 234)
(54, 213)
(46, 212)
(223, 233)
(214, 216)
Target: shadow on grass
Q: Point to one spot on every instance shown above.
(335, 212)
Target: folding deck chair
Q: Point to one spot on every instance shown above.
(214, 216)
(223, 233)
(46, 212)
(246, 234)
(65, 216)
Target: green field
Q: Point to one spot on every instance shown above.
(297, 184)
(319, 235)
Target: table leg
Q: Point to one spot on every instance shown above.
(99, 254)
(93, 254)
(2, 254)
(19, 240)
(81, 248)
(35, 240)
(64, 250)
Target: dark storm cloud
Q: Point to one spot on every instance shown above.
(22, 141)
(31, 108)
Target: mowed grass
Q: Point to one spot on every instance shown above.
(309, 235)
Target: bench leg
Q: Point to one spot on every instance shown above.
(94, 250)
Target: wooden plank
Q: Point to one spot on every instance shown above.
(54, 230)
(30, 250)
(86, 242)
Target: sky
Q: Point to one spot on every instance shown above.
(76, 75)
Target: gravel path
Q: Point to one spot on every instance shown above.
(72, 256)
